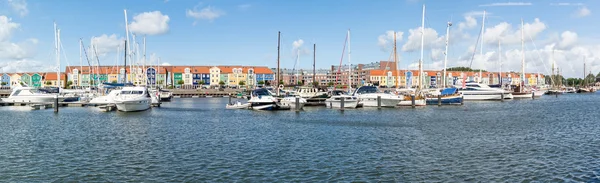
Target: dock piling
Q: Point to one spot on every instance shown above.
(342, 103)
(462, 100)
(378, 102)
(439, 100)
(56, 104)
(297, 103)
(533, 95)
(229, 98)
(502, 97)
(412, 99)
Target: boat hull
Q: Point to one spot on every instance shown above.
(446, 100)
(291, 102)
(338, 104)
(522, 95)
(133, 105)
(419, 102)
(45, 99)
(385, 102)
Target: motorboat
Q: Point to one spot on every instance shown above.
(165, 95)
(478, 91)
(133, 99)
(310, 92)
(419, 100)
(335, 101)
(368, 95)
(106, 99)
(261, 99)
(447, 96)
(32, 95)
(237, 105)
(291, 102)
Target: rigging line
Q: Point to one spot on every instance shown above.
(540, 56)
(475, 49)
(65, 54)
(341, 59)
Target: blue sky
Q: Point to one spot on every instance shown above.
(236, 32)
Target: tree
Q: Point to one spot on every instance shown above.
(330, 83)
(261, 82)
(114, 81)
(300, 83)
(468, 69)
(315, 84)
(160, 82)
(281, 82)
(3, 83)
(221, 83)
(69, 83)
(242, 83)
(201, 83)
(180, 82)
(48, 82)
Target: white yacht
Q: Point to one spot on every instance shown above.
(106, 99)
(31, 95)
(291, 102)
(261, 99)
(310, 92)
(335, 101)
(165, 95)
(478, 91)
(133, 99)
(367, 95)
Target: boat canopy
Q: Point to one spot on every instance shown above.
(449, 91)
(261, 92)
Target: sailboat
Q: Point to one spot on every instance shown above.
(446, 95)
(335, 101)
(418, 94)
(520, 91)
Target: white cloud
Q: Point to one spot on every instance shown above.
(583, 12)
(507, 4)
(566, 4)
(386, 41)
(165, 64)
(106, 44)
(469, 23)
(568, 39)
(26, 65)
(7, 27)
(207, 13)
(166, 1)
(19, 6)
(150, 23)
(431, 40)
(244, 6)
(509, 35)
(297, 44)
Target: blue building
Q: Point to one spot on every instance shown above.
(196, 78)
(265, 77)
(205, 78)
(5, 80)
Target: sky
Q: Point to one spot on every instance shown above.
(244, 32)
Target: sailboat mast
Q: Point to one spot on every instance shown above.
(314, 62)
(297, 66)
(500, 60)
(80, 57)
(522, 57)
(482, 31)
(349, 65)
(278, 45)
(58, 60)
(125, 62)
(56, 51)
(144, 64)
(444, 80)
(127, 39)
(421, 77)
(396, 60)
(584, 76)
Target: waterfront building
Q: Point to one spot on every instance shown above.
(51, 80)
(5, 80)
(215, 76)
(26, 79)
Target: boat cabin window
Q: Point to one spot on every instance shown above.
(132, 92)
(367, 89)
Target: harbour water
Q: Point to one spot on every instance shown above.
(547, 139)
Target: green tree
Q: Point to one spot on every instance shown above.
(261, 82)
(330, 84)
(69, 83)
(221, 83)
(48, 82)
(114, 81)
(160, 82)
(242, 83)
(300, 83)
(3, 83)
(280, 82)
(315, 84)
(201, 83)
(180, 82)
(467, 69)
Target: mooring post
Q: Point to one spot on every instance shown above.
(462, 100)
(378, 102)
(439, 100)
(230, 98)
(502, 97)
(412, 99)
(56, 104)
(342, 103)
(297, 103)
